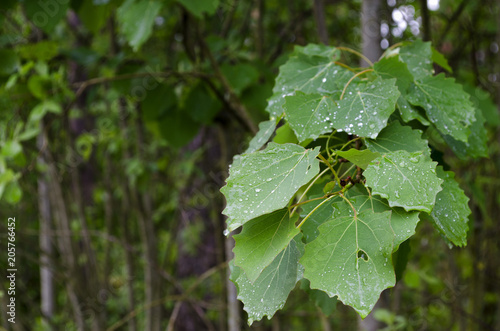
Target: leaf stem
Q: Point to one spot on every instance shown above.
(331, 168)
(312, 211)
(350, 50)
(350, 204)
(352, 78)
(307, 189)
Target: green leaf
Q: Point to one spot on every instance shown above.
(405, 179)
(177, 127)
(39, 111)
(136, 20)
(318, 50)
(410, 113)
(309, 115)
(94, 16)
(266, 129)
(308, 74)
(42, 51)
(240, 76)
(396, 137)
(266, 180)
(320, 298)
(351, 259)
(360, 158)
(199, 7)
(320, 215)
(440, 60)
(403, 223)
(11, 148)
(447, 106)
(9, 62)
(46, 14)
(418, 57)
(284, 134)
(261, 240)
(202, 104)
(158, 102)
(12, 193)
(451, 213)
(365, 109)
(393, 67)
(270, 290)
(476, 145)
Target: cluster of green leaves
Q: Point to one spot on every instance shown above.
(348, 175)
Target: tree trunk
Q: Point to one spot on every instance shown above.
(370, 28)
(46, 275)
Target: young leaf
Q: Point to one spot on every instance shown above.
(351, 258)
(309, 115)
(451, 212)
(440, 60)
(405, 179)
(396, 137)
(261, 240)
(308, 74)
(266, 180)
(365, 109)
(446, 104)
(359, 158)
(270, 290)
(266, 129)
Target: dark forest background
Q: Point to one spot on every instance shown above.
(119, 119)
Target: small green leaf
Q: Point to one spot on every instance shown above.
(446, 104)
(158, 102)
(9, 62)
(396, 137)
(440, 60)
(201, 104)
(365, 109)
(136, 20)
(284, 134)
(309, 115)
(271, 289)
(359, 158)
(266, 129)
(11, 149)
(410, 113)
(42, 51)
(261, 240)
(240, 76)
(351, 259)
(451, 213)
(12, 193)
(199, 7)
(418, 56)
(265, 181)
(405, 179)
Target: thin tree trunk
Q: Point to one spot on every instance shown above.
(47, 301)
(319, 18)
(426, 20)
(370, 29)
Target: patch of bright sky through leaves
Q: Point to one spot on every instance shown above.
(403, 18)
